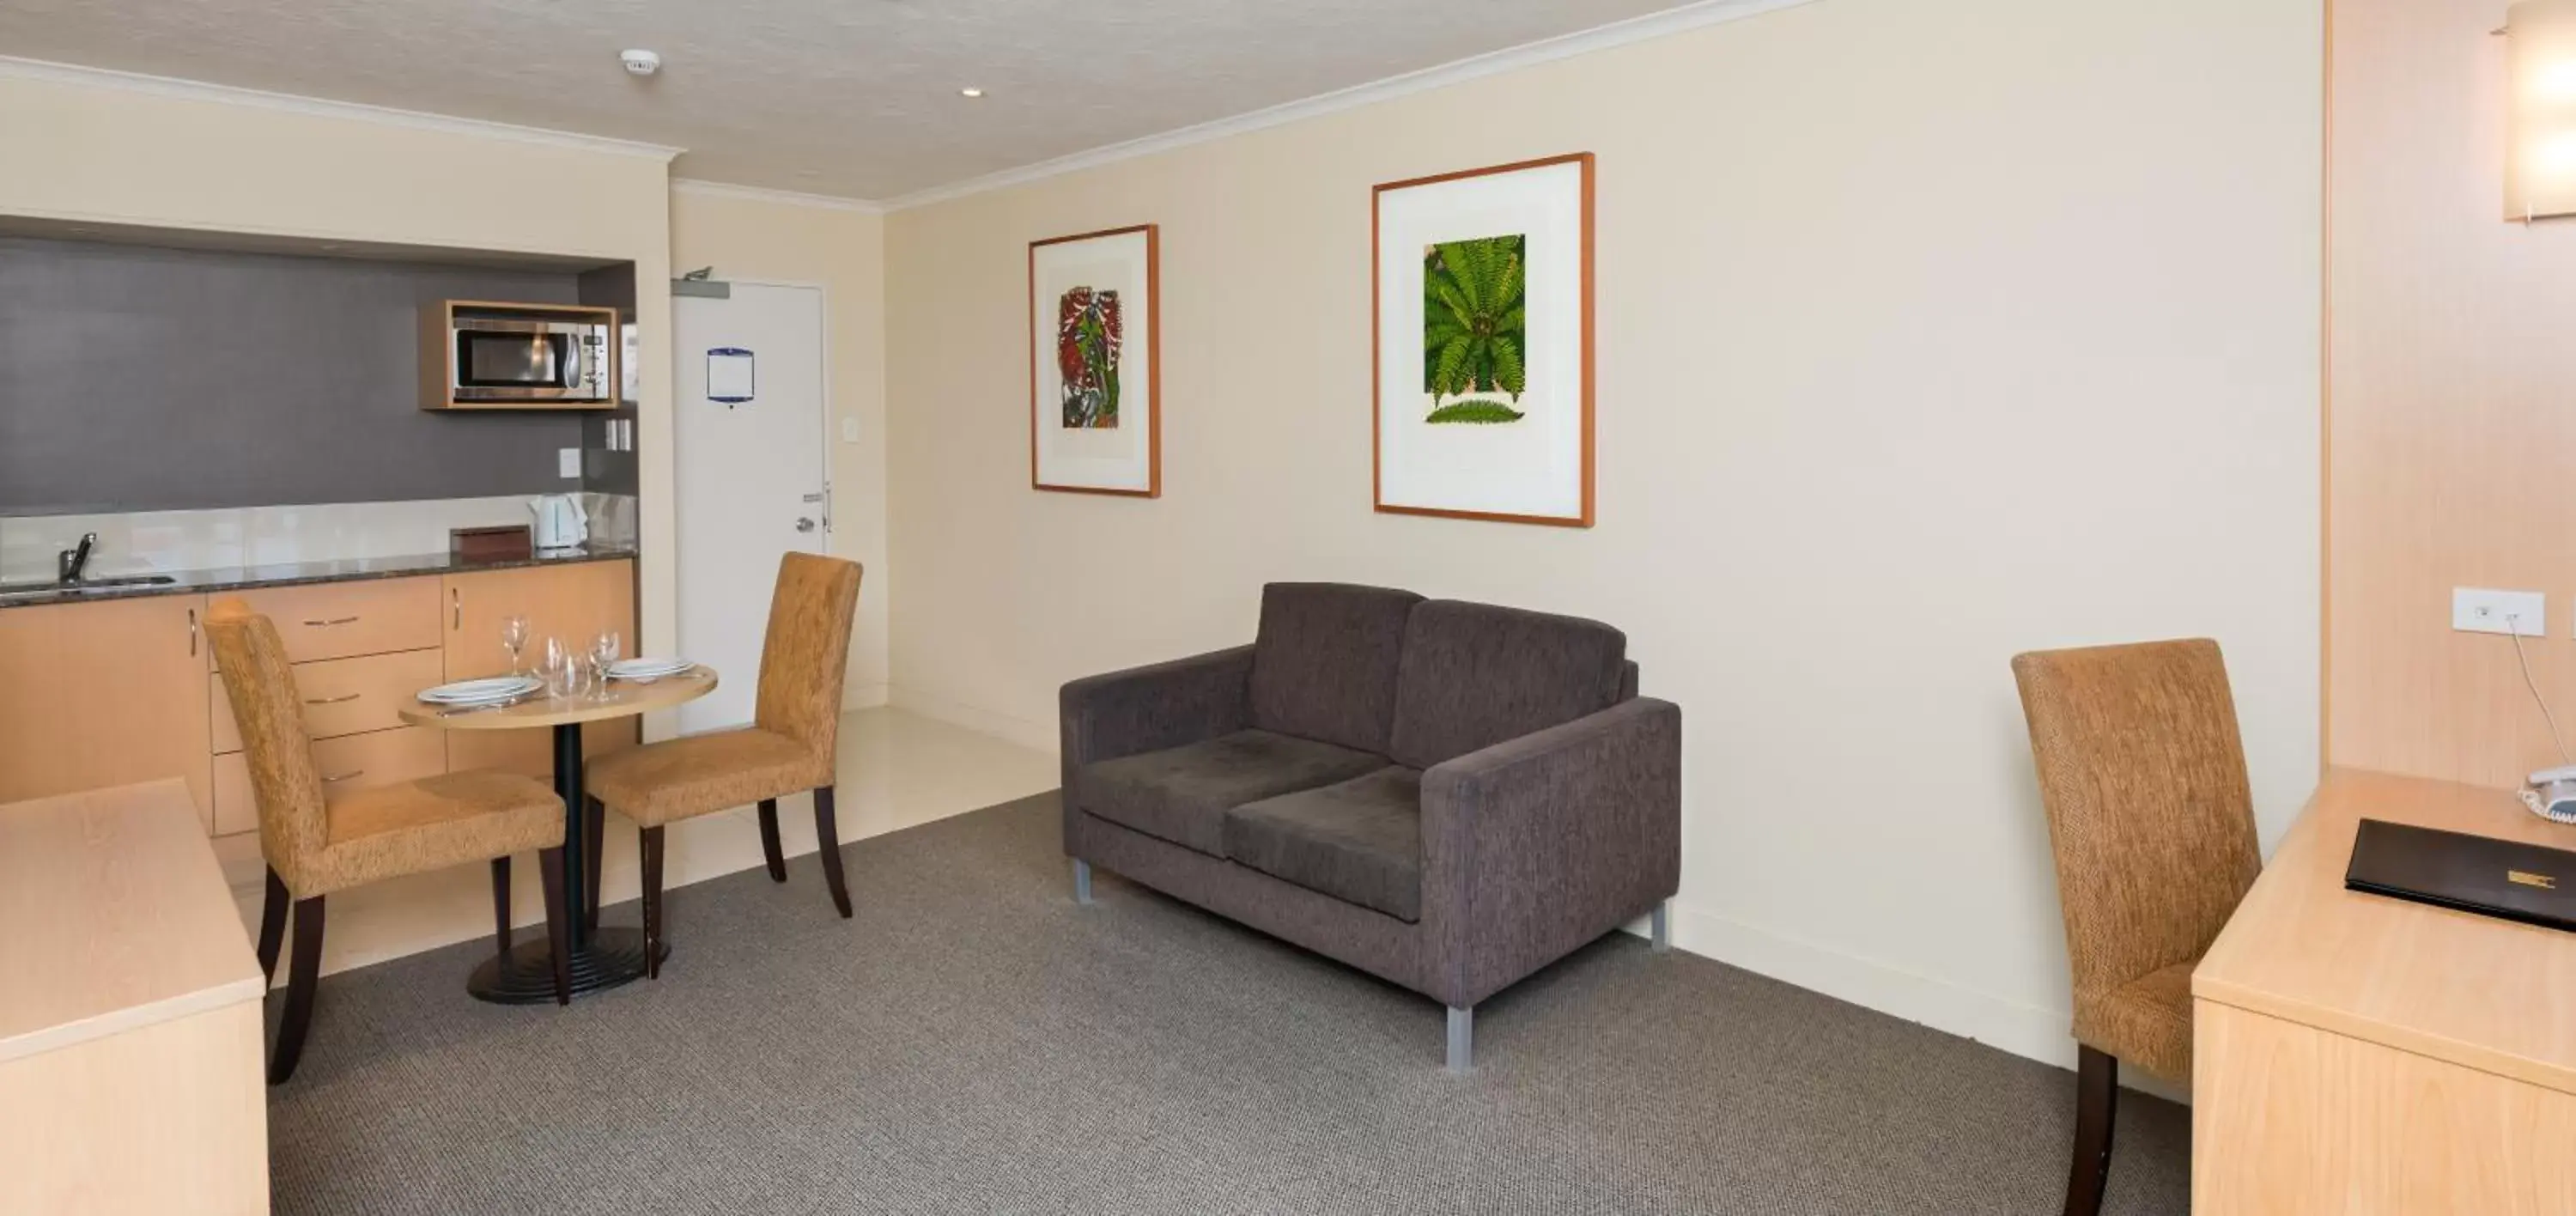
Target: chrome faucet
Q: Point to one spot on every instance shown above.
(71, 563)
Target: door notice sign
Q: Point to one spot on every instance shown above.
(729, 377)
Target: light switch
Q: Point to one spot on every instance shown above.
(849, 428)
(568, 462)
(2479, 610)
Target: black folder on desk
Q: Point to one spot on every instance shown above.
(2503, 878)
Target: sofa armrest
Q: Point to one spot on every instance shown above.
(1537, 845)
(1143, 709)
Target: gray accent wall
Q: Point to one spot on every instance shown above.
(136, 378)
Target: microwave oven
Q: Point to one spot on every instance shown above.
(527, 358)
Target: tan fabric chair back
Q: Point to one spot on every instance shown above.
(807, 651)
(261, 687)
(2149, 813)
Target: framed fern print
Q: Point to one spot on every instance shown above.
(1483, 313)
(1095, 391)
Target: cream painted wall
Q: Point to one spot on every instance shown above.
(76, 151)
(842, 251)
(1927, 334)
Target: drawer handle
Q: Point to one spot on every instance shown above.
(331, 700)
(355, 772)
(337, 620)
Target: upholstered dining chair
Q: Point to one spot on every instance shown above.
(2152, 823)
(789, 747)
(316, 847)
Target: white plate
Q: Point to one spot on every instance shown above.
(647, 669)
(470, 692)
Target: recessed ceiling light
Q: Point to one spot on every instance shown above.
(970, 91)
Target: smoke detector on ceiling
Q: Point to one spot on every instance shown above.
(640, 63)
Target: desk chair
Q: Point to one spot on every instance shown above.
(790, 746)
(316, 846)
(2149, 815)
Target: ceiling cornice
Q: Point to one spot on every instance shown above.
(1566, 46)
(12, 68)
(763, 194)
(1638, 29)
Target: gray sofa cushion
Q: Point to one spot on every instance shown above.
(1182, 794)
(1324, 664)
(1476, 674)
(1359, 841)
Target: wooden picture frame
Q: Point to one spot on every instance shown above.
(1569, 322)
(1128, 465)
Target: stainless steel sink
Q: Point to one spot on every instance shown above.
(51, 587)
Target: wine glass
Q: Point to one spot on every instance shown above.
(562, 669)
(603, 652)
(514, 638)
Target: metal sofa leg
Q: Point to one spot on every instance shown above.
(1081, 881)
(1462, 1038)
(1663, 930)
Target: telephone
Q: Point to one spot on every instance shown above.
(2552, 794)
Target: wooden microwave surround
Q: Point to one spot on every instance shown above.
(438, 351)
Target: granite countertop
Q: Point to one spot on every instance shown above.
(289, 574)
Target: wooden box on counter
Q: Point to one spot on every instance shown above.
(511, 542)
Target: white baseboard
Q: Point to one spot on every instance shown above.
(862, 696)
(1039, 736)
(2024, 1030)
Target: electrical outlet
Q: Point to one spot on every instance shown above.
(849, 429)
(568, 462)
(2479, 610)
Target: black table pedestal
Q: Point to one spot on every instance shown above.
(601, 958)
(526, 975)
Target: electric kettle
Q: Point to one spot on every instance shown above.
(561, 523)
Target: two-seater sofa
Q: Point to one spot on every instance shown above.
(1447, 795)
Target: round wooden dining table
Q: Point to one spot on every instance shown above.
(601, 958)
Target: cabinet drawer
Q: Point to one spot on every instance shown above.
(341, 696)
(348, 763)
(338, 620)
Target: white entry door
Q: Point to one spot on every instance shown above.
(751, 473)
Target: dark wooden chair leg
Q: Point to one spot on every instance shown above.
(827, 840)
(650, 841)
(769, 840)
(303, 973)
(272, 926)
(501, 905)
(594, 823)
(2097, 1100)
(550, 865)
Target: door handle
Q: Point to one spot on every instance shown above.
(339, 777)
(339, 700)
(337, 620)
(804, 525)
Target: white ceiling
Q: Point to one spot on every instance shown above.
(855, 98)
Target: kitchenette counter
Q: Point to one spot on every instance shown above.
(288, 574)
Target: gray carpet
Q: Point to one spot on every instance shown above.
(974, 1042)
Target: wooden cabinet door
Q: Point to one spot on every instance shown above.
(103, 693)
(572, 602)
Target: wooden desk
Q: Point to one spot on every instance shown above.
(2359, 1055)
(130, 1031)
